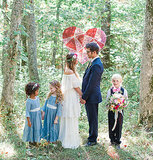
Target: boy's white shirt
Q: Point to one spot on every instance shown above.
(109, 93)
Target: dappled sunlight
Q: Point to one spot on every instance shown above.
(112, 152)
(20, 128)
(103, 136)
(7, 150)
(132, 144)
(1, 129)
(140, 143)
(138, 139)
(103, 139)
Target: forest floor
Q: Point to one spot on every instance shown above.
(136, 144)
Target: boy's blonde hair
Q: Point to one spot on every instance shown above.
(117, 76)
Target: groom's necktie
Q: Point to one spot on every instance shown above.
(90, 63)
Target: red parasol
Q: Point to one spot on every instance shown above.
(75, 40)
(95, 35)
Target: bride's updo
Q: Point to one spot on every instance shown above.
(71, 61)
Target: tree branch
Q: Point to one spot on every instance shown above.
(6, 16)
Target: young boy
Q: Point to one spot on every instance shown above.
(115, 134)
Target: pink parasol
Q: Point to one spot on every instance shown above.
(75, 40)
(95, 35)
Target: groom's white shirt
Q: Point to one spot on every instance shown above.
(94, 58)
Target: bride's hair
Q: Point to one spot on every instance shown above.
(71, 62)
(59, 95)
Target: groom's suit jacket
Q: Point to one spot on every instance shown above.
(91, 82)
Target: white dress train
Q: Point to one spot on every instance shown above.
(69, 127)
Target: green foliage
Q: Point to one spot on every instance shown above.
(126, 47)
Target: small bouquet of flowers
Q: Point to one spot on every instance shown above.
(117, 102)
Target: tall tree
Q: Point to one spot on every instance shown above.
(56, 31)
(12, 52)
(32, 46)
(5, 34)
(105, 26)
(24, 38)
(146, 76)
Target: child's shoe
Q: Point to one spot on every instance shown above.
(118, 146)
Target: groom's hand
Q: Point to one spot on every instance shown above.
(82, 101)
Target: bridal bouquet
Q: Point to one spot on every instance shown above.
(117, 102)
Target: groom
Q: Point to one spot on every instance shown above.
(91, 91)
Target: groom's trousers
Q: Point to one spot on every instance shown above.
(92, 114)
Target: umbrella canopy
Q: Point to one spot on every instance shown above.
(95, 35)
(82, 56)
(75, 40)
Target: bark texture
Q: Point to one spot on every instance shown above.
(32, 46)
(106, 21)
(12, 52)
(55, 49)
(5, 37)
(146, 76)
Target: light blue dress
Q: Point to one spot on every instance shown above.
(50, 131)
(33, 133)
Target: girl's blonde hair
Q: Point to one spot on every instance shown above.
(71, 62)
(59, 95)
(117, 76)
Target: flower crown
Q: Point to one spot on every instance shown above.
(74, 57)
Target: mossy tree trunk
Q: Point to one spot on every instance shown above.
(32, 46)
(24, 39)
(5, 36)
(55, 49)
(146, 76)
(105, 26)
(12, 50)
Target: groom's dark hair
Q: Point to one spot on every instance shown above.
(93, 47)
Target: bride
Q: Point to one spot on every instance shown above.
(69, 128)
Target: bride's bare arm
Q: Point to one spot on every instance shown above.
(78, 90)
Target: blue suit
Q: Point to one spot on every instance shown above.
(92, 95)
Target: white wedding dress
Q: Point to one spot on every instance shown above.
(69, 127)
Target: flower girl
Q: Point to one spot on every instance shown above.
(33, 124)
(52, 109)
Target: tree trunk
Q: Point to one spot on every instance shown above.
(146, 76)
(54, 51)
(56, 32)
(5, 37)
(24, 39)
(106, 20)
(32, 46)
(12, 51)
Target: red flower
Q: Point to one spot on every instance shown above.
(116, 107)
